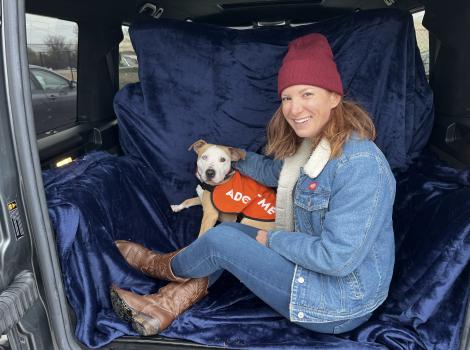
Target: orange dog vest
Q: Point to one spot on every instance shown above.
(243, 195)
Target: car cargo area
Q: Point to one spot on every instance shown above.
(120, 89)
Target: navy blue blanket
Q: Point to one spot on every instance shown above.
(103, 198)
(200, 81)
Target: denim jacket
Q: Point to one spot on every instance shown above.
(343, 244)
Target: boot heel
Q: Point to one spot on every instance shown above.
(120, 307)
(145, 325)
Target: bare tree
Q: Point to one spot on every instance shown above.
(60, 54)
(33, 56)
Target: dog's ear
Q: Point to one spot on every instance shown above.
(236, 154)
(197, 145)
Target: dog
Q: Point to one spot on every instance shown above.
(225, 194)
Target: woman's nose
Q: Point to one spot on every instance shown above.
(296, 107)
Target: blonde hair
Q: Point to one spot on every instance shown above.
(346, 118)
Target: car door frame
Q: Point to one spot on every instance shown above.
(23, 191)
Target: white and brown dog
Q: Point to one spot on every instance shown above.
(225, 194)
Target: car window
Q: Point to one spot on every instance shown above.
(50, 81)
(128, 64)
(34, 84)
(422, 38)
(52, 46)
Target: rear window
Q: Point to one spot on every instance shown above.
(128, 65)
(52, 46)
(422, 38)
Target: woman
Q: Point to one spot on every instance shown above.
(329, 262)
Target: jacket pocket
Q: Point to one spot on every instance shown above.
(310, 208)
(312, 201)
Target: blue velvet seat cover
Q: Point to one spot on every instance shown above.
(200, 81)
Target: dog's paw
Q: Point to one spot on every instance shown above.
(177, 207)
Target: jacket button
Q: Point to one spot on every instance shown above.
(300, 280)
(300, 314)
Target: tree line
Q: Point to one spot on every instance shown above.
(58, 54)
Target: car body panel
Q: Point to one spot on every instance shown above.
(54, 100)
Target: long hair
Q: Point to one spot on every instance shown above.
(346, 118)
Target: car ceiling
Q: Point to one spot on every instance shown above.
(226, 12)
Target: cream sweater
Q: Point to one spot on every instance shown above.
(313, 163)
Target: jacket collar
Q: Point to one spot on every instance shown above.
(319, 157)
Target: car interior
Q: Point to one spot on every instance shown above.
(148, 78)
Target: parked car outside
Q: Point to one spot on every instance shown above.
(54, 99)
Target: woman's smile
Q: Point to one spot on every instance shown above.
(302, 120)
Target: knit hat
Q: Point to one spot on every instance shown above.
(309, 61)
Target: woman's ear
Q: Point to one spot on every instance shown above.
(335, 99)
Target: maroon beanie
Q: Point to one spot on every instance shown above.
(309, 61)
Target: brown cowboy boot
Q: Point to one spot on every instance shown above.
(153, 313)
(148, 262)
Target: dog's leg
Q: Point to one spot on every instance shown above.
(199, 191)
(225, 217)
(186, 204)
(262, 225)
(210, 213)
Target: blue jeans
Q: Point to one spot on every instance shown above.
(233, 247)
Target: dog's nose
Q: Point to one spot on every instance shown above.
(210, 173)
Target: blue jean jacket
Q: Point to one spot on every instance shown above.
(343, 244)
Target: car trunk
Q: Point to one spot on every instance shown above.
(124, 190)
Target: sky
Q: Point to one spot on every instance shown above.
(38, 28)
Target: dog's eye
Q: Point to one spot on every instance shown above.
(222, 159)
(204, 157)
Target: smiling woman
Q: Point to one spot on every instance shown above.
(312, 106)
(307, 108)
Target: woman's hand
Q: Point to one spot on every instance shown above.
(262, 237)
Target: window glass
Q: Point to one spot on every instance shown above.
(422, 38)
(52, 46)
(128, 65)
(34, 83)
(49, 81)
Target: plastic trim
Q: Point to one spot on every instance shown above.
(16, 300)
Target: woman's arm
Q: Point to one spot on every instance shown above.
(260, 168)
(360, 207)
